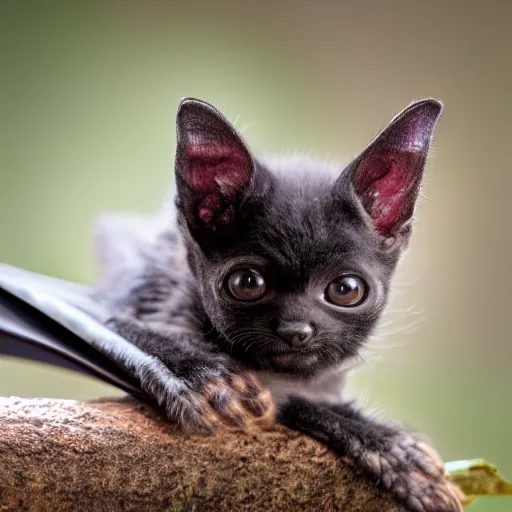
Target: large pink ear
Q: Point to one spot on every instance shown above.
(214, 168)
(387, 176)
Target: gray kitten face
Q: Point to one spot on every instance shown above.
(293, 257)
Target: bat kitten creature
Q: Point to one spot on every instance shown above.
(263, 277)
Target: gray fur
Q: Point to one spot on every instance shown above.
(302, 224)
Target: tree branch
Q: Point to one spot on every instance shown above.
(117, 454)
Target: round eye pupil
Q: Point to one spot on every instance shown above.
(346, 287)
(250, 281)
(246, 285)
(347, 291)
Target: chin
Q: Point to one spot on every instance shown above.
(271, 355)
(300, 363)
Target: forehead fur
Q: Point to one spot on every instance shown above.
(301, 170)
(302, 222)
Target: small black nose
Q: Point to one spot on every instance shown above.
(296, 334)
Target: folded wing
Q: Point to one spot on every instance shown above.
(59, 322)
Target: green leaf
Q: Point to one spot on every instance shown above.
(478, 478)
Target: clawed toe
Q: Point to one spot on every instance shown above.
(413, 472)
(237, 400)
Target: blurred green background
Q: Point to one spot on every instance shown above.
(88, 97)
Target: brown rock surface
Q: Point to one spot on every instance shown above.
(112, 455)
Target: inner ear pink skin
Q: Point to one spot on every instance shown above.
(388, 186)
(216, 173)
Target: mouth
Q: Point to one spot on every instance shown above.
(275, 354)
(301, 357)
(284, 350)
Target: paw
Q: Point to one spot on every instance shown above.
(204, 411)
(198, 389)
(204, 405)
(225, 394)
(413, 472)
(237, 399)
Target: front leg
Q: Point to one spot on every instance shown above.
(406, 466)
(197, 387)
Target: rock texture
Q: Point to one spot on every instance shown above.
(117, 455)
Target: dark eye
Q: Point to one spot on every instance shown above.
(346, 291)
(246, 285)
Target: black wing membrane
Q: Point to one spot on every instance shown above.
(59, 322)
